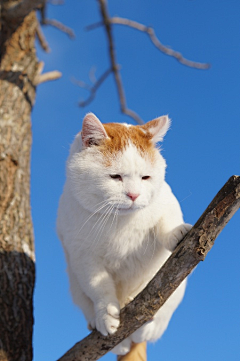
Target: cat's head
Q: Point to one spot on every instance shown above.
(117, 164)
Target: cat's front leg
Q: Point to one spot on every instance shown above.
(171, 227)
(173, 237)
(107, 316)
(98, 285)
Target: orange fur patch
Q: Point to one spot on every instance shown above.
(120, 136)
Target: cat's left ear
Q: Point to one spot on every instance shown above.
(92, 131)
(157, 128)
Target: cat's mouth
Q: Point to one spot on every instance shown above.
(129, 209)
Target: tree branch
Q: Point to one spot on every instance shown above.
(42, 40)
(50, 75)
(41, 78)
(107, 22)
(92, 89)
(60, 26)
(164, 49)
(55, 23)
(191, 250)
(114, 65)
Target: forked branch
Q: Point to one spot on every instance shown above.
(107, 22)
(191, 250)
(92, 89)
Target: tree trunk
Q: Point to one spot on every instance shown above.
(18, 69)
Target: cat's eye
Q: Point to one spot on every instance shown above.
(146, 177)
(116, 176)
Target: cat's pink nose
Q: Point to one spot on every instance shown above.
(132, 196)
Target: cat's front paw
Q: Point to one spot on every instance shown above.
(107, 318)
(177, 235)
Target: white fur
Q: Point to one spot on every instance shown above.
(114, 246)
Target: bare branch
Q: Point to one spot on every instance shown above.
(94, 26)
(107, 22)
(92, 89)
(114, 66)
(191, 250)
(51, 75)
(164, 49)
(58, 25)
(42, 40)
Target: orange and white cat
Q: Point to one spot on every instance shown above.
(118, 221)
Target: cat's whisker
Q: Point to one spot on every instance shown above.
(102, 216)
(99, 220)
(103, 223)
(114, 216)
(99, 209)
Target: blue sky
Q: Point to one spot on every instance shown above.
(202, 150)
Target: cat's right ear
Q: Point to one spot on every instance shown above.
(92, 131)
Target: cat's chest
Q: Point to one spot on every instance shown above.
(128, 246)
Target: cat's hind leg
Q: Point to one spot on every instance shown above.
(154, 329)
(123, 347)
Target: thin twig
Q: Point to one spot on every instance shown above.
(92, 89)
(164, 49)
(94, 26)
(58, 25)
(113, 60)
(191, 250)
(42, 40)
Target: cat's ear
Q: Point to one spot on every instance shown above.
(92, 130)
(157, 128)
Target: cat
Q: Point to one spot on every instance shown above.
(118, 221)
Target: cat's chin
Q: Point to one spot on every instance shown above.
(128, 210)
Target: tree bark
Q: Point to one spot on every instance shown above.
(18, 69)
(191, 250)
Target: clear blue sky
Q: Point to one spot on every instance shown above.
(202, 150)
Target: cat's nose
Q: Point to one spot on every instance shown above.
(132, 196)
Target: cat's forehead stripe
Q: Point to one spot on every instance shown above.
(119, 137)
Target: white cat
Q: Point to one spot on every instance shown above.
(118, 221)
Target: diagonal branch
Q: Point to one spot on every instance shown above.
(191, 250)
(58, 25)
(164, 49)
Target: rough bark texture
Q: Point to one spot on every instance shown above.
(18, 68)
(191, 250)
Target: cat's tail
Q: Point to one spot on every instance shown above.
(138, 352)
